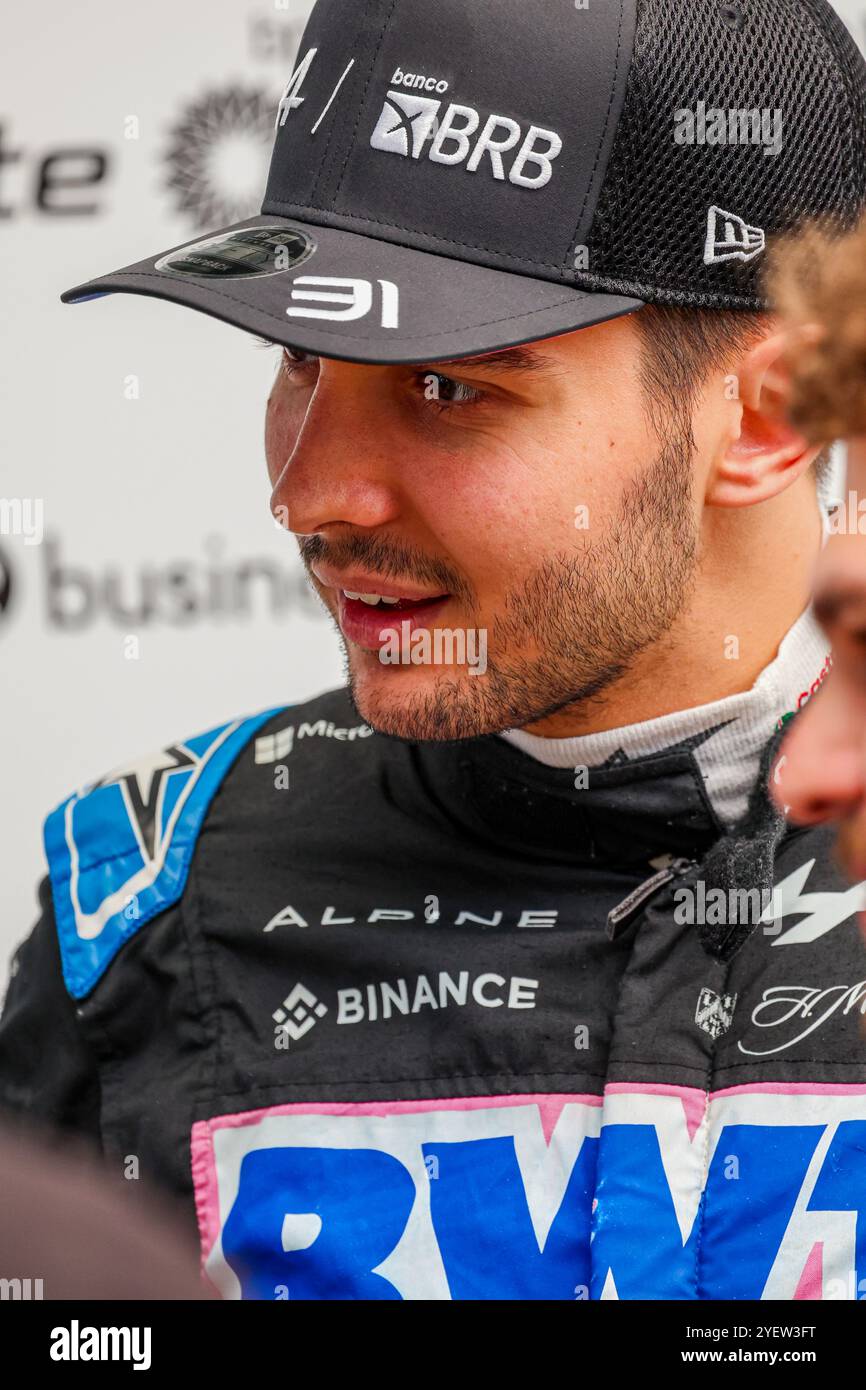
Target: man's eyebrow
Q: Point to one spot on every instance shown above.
(516, 359)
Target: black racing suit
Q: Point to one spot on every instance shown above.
(396, 1022)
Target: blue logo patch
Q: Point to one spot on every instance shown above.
(119, 850)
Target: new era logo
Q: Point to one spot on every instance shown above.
(406, 124)
(729, 238)
(299, 1012)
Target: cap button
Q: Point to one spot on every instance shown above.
(734, 15)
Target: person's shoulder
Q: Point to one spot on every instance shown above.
(119, 848)
(318, 729)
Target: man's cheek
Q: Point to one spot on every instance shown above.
(513, 485)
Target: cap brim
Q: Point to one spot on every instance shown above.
(411, 305)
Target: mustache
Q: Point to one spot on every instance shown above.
(390, 559)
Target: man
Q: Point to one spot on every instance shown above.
(465, 984)
(821, 774)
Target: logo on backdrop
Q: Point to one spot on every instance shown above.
(158, 594)
(217, 160)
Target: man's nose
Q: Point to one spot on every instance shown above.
(820, 773)
(338, 464)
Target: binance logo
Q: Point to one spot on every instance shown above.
(299, 1012)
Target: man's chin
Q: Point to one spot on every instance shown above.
(419, 705)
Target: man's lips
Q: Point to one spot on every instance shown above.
(358, 583)
(369, 627)
(362, 623)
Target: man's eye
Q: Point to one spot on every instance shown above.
(447, 391)
(294, 358)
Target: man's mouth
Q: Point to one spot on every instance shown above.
(382, 601)
(369, 611)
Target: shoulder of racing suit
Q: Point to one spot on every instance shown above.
(292, 1020)
(119, 850)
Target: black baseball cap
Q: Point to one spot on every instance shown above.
(456, 177)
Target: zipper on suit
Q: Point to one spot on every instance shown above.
(621, 917)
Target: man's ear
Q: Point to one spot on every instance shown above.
(767, 453)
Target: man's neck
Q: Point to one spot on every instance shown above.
(727, 737)
(753, 582)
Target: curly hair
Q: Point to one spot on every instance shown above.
(818, 284)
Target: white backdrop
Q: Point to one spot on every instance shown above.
(137, 424)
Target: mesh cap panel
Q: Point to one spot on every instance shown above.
(650, 226)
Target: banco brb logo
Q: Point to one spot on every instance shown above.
(411, 124)
(406, 124)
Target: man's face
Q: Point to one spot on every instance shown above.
(821, 774)
(521, 508)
